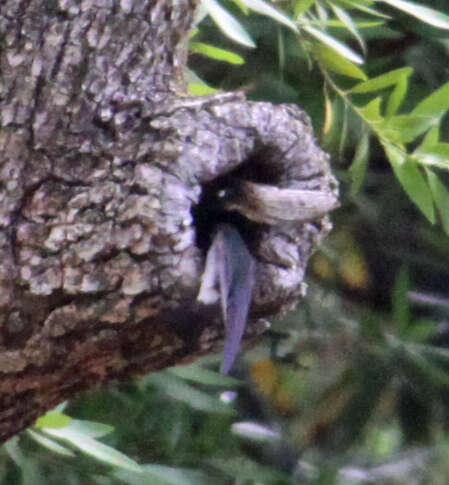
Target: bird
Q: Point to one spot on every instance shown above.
(230, 265)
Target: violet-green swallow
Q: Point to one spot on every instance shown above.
(230, 265)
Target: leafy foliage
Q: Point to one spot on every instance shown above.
(396, 132)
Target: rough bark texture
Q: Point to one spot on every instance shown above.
(106, 172)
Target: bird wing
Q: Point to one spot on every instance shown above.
(236, 275)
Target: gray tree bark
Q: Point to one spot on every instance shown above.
(106, 167)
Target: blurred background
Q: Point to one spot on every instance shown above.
(353, 386)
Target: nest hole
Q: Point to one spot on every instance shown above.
(261, 167)
(209, 212)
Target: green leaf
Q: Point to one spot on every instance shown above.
(50, 444)
(323, 15)
(405, 128)
(264, 8)
(412, 180)
(400, 304)
(94, 448)
(301, 6)
(364, 8)
(216, 53)
(91, 428)
(15, 452)
(333, 120)
(241, 6)
(419, 356)
(397, 97)
(198, 89)
(421, 331)
(334, 62)
(425, 14)
(343, 131)
(334, 44)
(441, 197)
(350, 25)
(33, 472)
(370, 328)
(383, 81)
(434, 106)
(196, 85)
(359, 163)
(328, 112)
(371, 113)
(179, 390)
(431, 138)
(436, 155)
(206, 377)
(255, 432)
(53, 419)
(227, 23)
(176, 476)
(193, 33)
(360, 24)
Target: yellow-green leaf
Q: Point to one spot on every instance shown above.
(359, 163)
(334, 62)
(198, 89)
(328, 113)
(361, 24)
(334, 44)
(436, 155)
(196, 85)
(241, 6)
(53, 419)
(216, 53)
(397, 97)
(434, 106)
(302, 6)
(405, 128)
(400, 306)
(431, 138)
(371, 112)
(412, 180)
(365, 8)
(441, 197)
(383, 81)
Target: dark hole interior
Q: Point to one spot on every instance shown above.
(209, 211)
(261, 167)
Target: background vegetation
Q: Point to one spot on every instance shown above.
(353, 387)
